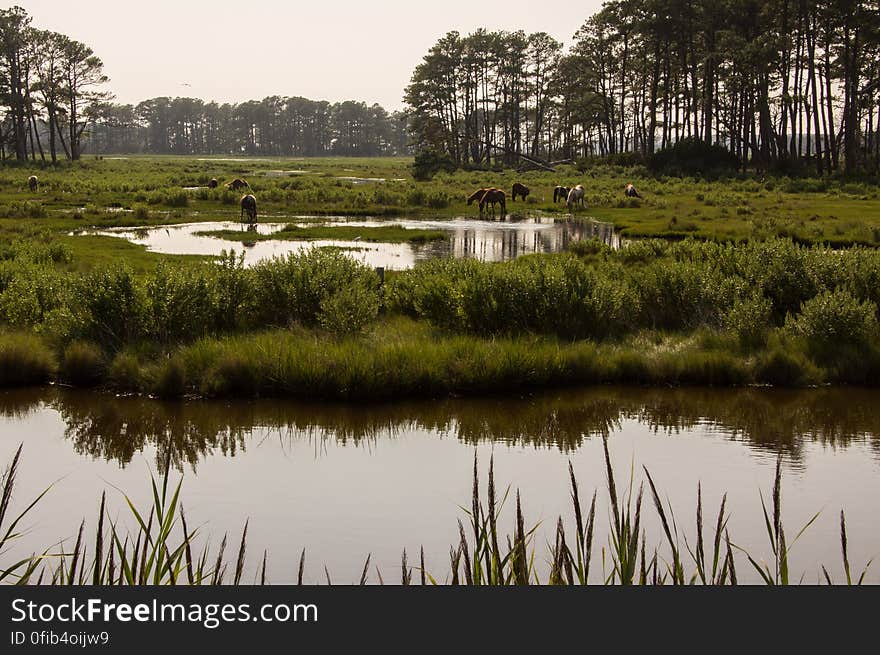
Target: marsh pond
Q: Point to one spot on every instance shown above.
(487, 240)
(345, 481)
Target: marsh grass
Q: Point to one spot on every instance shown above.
(25, 359)
(397, 357)
(83, 364)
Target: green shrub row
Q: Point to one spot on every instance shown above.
(114, 307)
(823, 296)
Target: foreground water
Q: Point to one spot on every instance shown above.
(344, 481)
(487, 240)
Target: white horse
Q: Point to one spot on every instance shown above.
(575, 197)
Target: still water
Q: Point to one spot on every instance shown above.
(487, 240)
(345, 481)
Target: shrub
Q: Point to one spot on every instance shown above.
(693, 156)
(558, 295)
(232, 292)
(349, 310)
(106, 307)
(780, 270)
(294, 289)
(835, 319)
(178, 303)
(30, 294)
(676, 294)
(429, 162)
(749, 320)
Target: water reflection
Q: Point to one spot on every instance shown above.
(767, 421)
(487, 240)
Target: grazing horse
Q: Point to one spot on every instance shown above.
(493, 197)
(32, 183)
(519, 190)
(237, 184)
(213, 183)
(476, 196)
(560, 193)
(575, 197)
(630, 192)
(249, 206)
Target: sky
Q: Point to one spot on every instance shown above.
(322, 49)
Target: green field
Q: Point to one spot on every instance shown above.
(152, 190)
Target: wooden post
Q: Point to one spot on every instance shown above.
(380, 271)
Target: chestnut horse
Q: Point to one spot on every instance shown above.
(237, 184)
(476, 196)
(493, 197)
(519, 190)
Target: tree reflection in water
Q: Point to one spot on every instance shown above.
(117, 428)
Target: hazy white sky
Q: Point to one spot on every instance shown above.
(324, 49)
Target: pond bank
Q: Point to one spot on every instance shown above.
(401, 357)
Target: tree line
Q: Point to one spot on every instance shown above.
(272, 126)
(54, 103)
(780, 84)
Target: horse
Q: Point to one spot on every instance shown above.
(213, 183)
(630, 192)
(476, 196)
(32, 183)
(560, 193)
(575, 197)
(519, 190)
(493, 197)
(237, 184)
(249, 206)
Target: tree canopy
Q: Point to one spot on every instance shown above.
(784, 84)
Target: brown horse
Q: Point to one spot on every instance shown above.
(630, 192)
(476, 196)
(237, 184)
(519, 190)
(249, 206)
(560, 193)
(32, 183)
(213, 183)
(493, 197)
